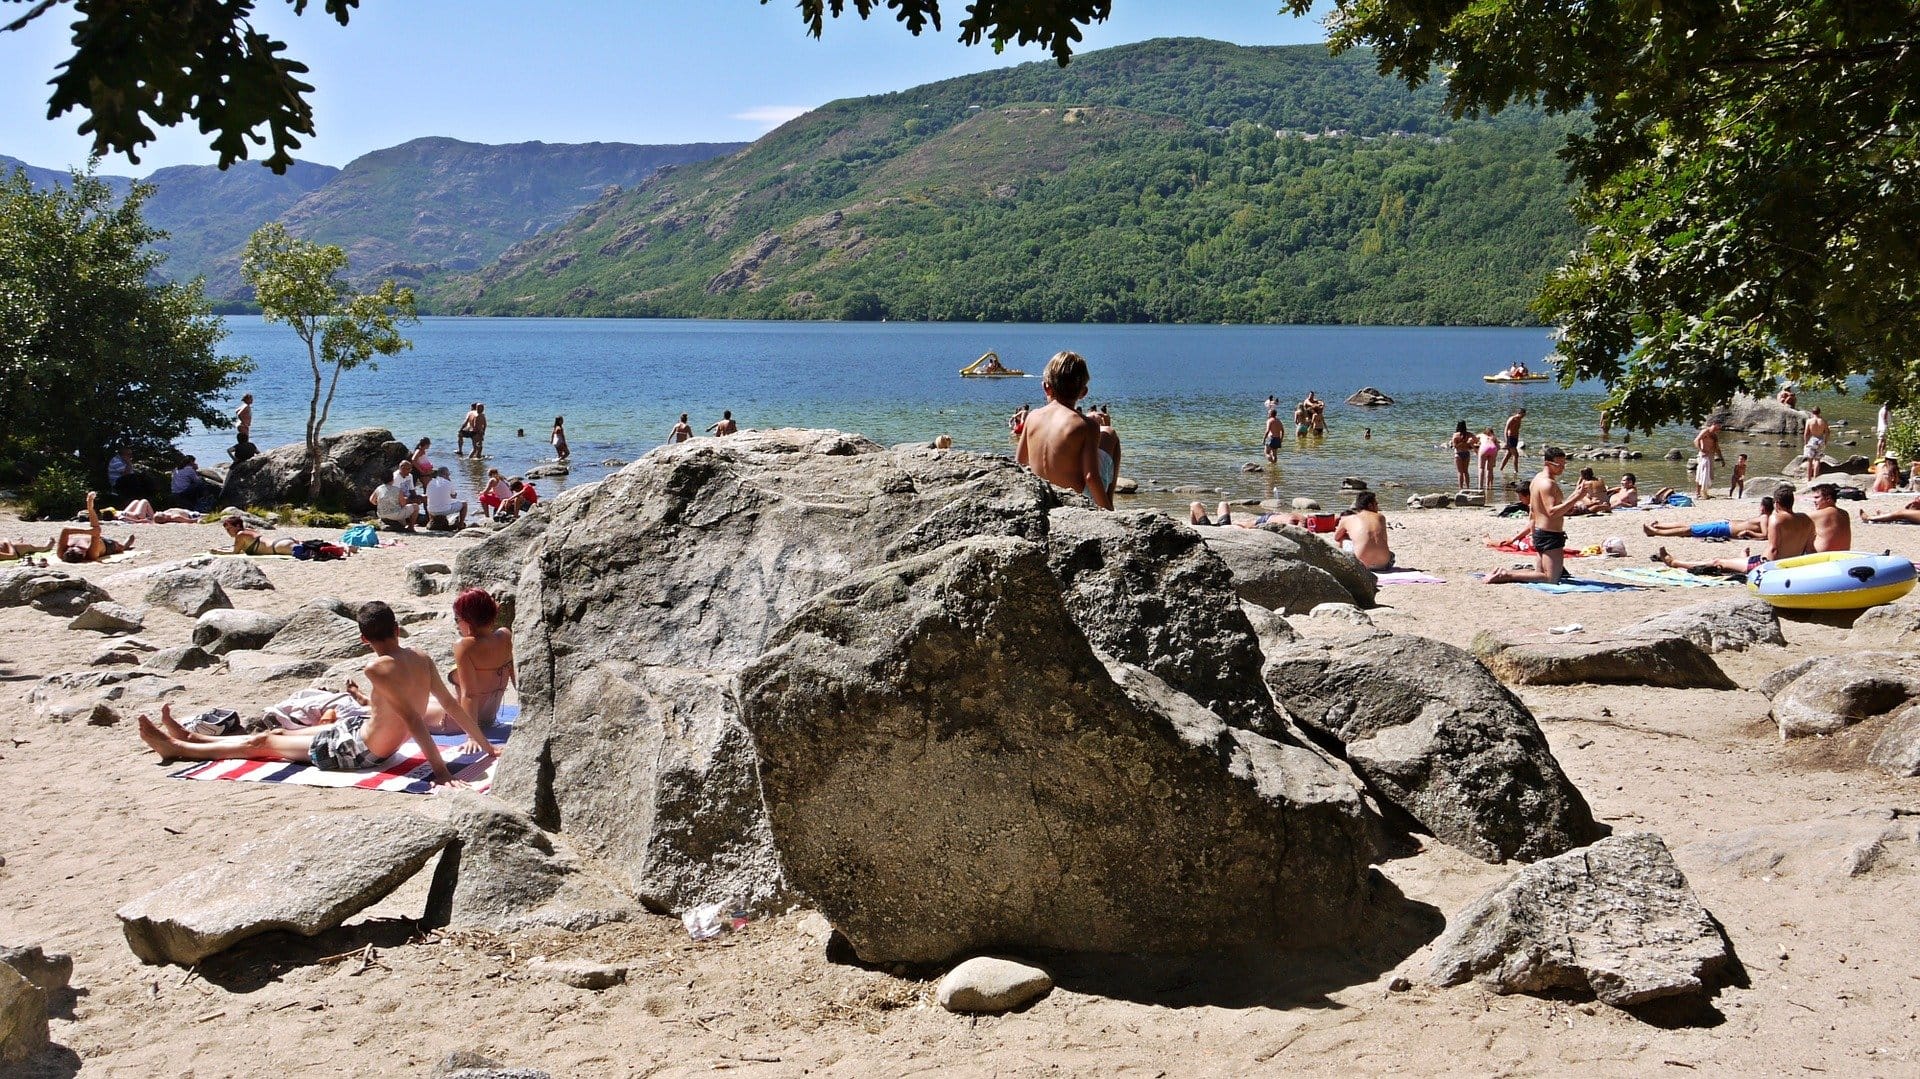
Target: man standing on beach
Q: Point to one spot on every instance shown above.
(1512, 455)
(1548, 512)
(1817, 431)
(1707, 445)
(1058, 443)
(1276, 435)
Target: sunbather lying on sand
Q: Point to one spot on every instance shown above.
(1752, 529)
(87, 544)
(1907, 514)
(248, 541)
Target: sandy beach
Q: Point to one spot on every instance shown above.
(1829, 955)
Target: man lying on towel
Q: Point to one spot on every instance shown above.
(402, 679)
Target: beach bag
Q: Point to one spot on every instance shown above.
(361, 536)
(1679, 500)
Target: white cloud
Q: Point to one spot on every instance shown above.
(771, 116)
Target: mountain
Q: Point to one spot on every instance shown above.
(1171, 180)
(409, 211)
(40, 177)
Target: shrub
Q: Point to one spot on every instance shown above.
(57, 493)
(1903, 438)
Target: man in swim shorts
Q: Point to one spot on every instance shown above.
(1817, 431)
(1512, 454)
(1788, 533)
(1276, 435)
(1547, 507)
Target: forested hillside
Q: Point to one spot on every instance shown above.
(1174, 180)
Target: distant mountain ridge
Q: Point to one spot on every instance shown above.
(408, 211)
(1171, 180)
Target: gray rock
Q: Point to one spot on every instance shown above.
(126, 651)
(223, 631)
(1675, 455)
(94, 711)
(50, 971)
(504, 874)
(577, 973)
(352, 464)
(1732, 624)
(496, 563)
(315, 631)
(191, 592)
(1150, 593)
(1616, 919)
(1754, 415)
(107, 617)
(1041, 798)
(1126, 486)
(1306, 505)
(1889, 627)
(54, 591)
(308, 878)
(1540, 659)
(1836, 848)
(428, 577)
(1270, 628)
(23, 1017)
(186, 657)
(1289, 569)
(1368, 397)
(1436, 735)
(629, 739)
(985, 985)
(1897, 750)
(1436, 501)
(249, 665)
(1475, 499)
(1845, 690)
(1772, 684)
(1353, 483)
(542, 472)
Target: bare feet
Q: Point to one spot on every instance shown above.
(156, 739)
(174, 730)
(1499, 576)
(1647, 527)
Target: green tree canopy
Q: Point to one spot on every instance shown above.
(94, 353)
(303, 284)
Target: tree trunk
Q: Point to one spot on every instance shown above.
(313, 429)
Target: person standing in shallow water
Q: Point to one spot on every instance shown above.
(681, 432)
(724, 425)
(559, 438)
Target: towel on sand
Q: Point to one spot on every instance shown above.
(1575, 584)
(1667, 575)
(1407, 576)
(406, 772)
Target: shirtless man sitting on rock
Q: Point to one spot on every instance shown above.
(402, 680)
(1061, 445)
(1363, 533)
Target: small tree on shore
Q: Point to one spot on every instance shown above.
(303, 284)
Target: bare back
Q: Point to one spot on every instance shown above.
(1062, 447)
(1789, 535)
(401, 683)
(1513, 426)
(1367, 530)
(1832, 530)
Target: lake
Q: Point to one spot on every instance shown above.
(1187, 400)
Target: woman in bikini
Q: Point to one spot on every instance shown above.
(422, 468)
(247, 541)
(1489, 454)
(87, 544)
(482, 657)
(1462, 443)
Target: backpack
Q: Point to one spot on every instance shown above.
(318, 550)
(361, 536)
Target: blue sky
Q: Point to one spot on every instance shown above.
(642, 71)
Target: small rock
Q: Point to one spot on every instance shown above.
(1429, 502)
(1125, 486)
(222, 631)
(1579, 659)
(989, 986)
(127, 651)
(108, 617)
(23, 1016)
(186, 657)
(54, 591)
(1470, 498)
(613, 462)
(1252, 466)
(1353, 483)
(428, 577)
(546, 471)
(1399, 984)
(1306, 505)
(50, 971)
(577, 973)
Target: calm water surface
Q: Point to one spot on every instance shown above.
(1187, 400)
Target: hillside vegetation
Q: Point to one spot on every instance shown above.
(1173, 180)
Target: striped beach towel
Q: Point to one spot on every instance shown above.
(1667, 575)
(405, 772)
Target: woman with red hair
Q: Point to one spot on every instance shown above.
(482, 657)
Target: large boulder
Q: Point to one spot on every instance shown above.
(1897, 750)
(1731, 624)
(307, 878)
(495, 564)
(502, 873)
(1540, 659)
(352, 464)
(1368, 397)
(192, 592)
(951, 769)
(1832, 696)
(235, 573)
(1888, 627)
(1616, 919)
(647, 592)
(23, 1017)
(1289, 569)
(1760, 416)
(318, 631)
(1148, 592)
(1438, 736)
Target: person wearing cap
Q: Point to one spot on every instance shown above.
(1547, 507)
(1832, 528)
(401, 681)
(1362, 533)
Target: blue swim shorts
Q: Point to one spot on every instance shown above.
(1713, 530)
